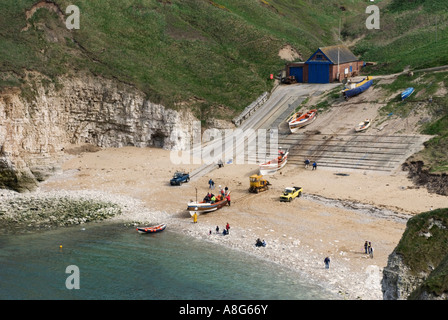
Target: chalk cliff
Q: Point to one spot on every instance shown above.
(40, 119)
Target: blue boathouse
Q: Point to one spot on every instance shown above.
(327, 64)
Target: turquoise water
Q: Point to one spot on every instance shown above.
(116, 262)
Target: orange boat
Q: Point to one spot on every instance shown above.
(153, 229)
(298, 122)
(302, 120)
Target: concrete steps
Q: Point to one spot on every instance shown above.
(351, 151)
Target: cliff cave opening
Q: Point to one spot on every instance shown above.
(157, 139)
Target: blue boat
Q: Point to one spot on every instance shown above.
(357, 88)
(406, 93)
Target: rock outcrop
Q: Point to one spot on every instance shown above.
(434, 182)
(398, 282)
(418, 267)
(40, 119)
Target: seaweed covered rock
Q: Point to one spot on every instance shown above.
(24, 213)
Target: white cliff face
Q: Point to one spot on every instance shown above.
(36, 125)
(398, 282)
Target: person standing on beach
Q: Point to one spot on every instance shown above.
(307, 163)
(227, 227)
(371, 252)
(314, 165)
(211, 184)
(366, 246)
(228, 199)
(327, 263)
(217, 229)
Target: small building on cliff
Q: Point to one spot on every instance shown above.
(327, 64)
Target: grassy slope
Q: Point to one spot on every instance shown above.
(218, 53)
(407, 36)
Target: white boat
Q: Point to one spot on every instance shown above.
(363, 125)
(299, 120)
(204, 207)
(276, 164)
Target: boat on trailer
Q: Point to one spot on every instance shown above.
(204, 207)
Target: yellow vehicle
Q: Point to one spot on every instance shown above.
(290, 193)
(257, 183)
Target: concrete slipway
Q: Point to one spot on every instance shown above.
(330, 140)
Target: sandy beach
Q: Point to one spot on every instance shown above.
(334, 217)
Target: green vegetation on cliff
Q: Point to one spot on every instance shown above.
(413, 33)
(435, 154)
(424, 248)
(214, 56)
(206, 53)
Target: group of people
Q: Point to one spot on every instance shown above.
(225, 231)
(368, 249)
(307, 164)
(260, 243)
(224, 193)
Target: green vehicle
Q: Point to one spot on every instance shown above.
(290, 193)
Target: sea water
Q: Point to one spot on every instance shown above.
(117, 262)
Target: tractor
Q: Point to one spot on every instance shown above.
(257, 183)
